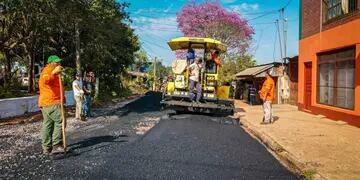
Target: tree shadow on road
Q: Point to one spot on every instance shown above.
(75, 149)
(95, 141)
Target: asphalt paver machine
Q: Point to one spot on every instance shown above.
(215, 98)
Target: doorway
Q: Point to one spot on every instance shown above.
(308, 85)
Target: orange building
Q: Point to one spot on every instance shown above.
(329, 59)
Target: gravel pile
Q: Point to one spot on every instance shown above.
(124, 121)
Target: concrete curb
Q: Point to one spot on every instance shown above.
(37, 116)
(289, 160)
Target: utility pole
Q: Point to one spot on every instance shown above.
(278, 28)
(285, 23)
(285, 37)
(154, 82)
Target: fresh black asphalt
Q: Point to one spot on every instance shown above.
(185, 146)
(193, 147)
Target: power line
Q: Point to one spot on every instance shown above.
(148, 47)
(157, 23)
(260, 37)
(263, 15)
(152, 43)
(175, 12)
(160, 38)
(275, 36)
(159, 29)
(148, 16)
(287, 4)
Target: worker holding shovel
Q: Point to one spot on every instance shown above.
(51, 101)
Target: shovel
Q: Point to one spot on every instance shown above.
(63, 118)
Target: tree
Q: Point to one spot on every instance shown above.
(141, 59)
(162, 72)
(8, 42)
(96, 30)
(232, 67)
(210, 19)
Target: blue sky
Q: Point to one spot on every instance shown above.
(155, 23)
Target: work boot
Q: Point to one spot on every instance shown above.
(83, 118)
(57, 149)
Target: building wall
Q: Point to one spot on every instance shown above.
(311, 14)
(293, 74)
(343, 35)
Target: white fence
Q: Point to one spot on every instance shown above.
(19, 106)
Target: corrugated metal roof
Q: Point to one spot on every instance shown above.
(253, 71)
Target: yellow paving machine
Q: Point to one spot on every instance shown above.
(215, 98)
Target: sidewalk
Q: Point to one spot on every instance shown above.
(305, 142)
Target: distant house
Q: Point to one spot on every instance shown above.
(255, 76)
(293, 72)
(329, 59)
(284, 83)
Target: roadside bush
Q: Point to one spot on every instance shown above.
(15, 89)
(68, 78)
(111, 87)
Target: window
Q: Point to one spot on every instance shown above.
(336, 79)
(336, 8)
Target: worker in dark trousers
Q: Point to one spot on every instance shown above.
(252, 95)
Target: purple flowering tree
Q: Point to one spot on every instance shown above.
(210, 19)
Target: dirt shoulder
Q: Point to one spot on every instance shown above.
(19, 133)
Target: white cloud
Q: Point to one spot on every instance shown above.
(166, 23)
(168, 8)
(229, 1)
(154, 34)
(154, 10)
(243, 7)
(154, 30)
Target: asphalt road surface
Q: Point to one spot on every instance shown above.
(139, 141)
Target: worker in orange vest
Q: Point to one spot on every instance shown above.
(49, 103)
(267, 96)
(215, 57)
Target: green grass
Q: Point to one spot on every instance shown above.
(308, 174)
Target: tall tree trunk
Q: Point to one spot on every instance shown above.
(7, 69)
(30, 68)
(97, 84)
(77, 49)
(30, 73)
(33, 87)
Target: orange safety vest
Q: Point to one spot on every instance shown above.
(267, 90)
(49, 87)
(216, 59)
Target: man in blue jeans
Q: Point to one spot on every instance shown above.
(195, 71)
(87, 87)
